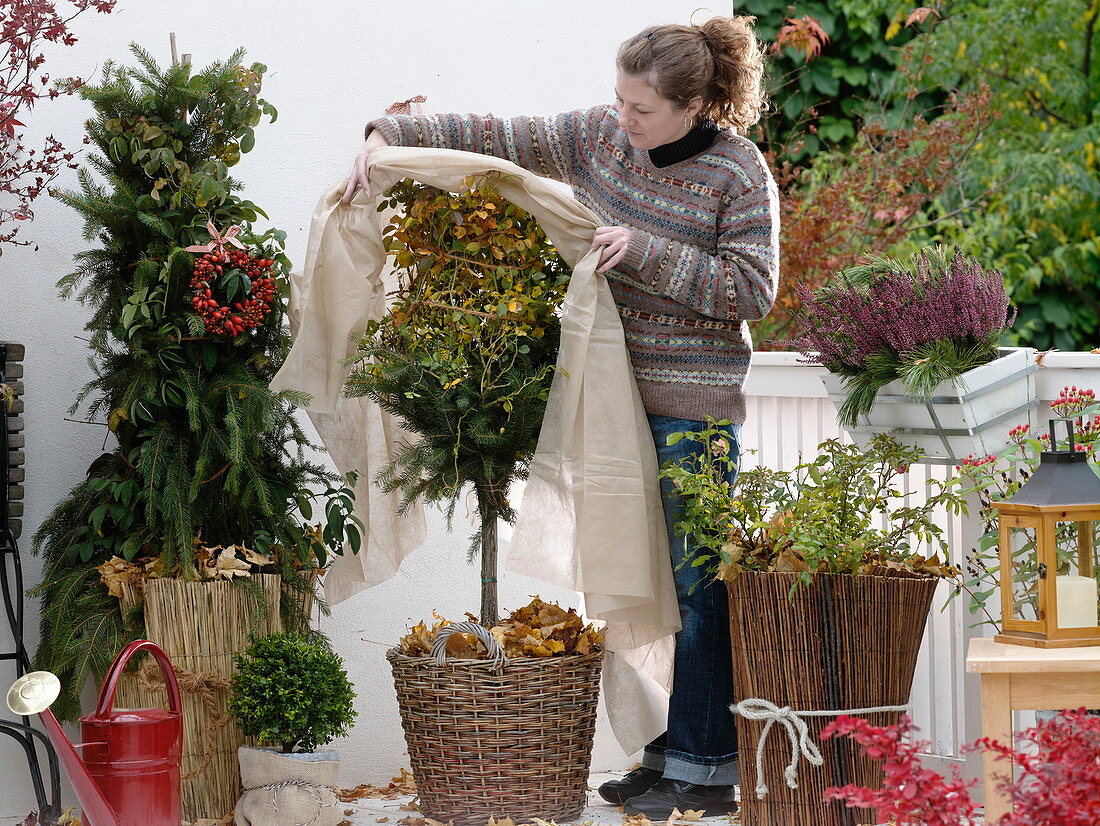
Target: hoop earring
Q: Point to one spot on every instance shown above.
(688, 123)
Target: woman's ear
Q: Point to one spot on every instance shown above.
(693, 107)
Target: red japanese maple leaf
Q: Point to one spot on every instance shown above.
(919, 15)
(802, 34)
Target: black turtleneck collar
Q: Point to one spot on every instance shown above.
(697, 140)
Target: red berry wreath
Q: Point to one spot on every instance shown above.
(242, 315)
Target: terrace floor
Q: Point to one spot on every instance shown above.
(368, 812)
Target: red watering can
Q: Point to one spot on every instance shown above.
(130, 772)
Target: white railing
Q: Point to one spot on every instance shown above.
(789, 414)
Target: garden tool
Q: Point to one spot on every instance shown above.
(130, 772)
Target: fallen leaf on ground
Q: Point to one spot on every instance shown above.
(404, 782)
(636, 820)
(360, 792)
(402, 785)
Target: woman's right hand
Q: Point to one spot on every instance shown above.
(359, 171)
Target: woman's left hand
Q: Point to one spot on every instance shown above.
(614, 240)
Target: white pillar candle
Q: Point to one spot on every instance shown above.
(1077, 601)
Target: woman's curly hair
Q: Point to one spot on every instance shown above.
(721, 61)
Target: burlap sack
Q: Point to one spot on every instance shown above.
(284, 790)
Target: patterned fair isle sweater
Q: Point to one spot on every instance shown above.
(703, 256)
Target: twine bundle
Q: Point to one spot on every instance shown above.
(203, 686)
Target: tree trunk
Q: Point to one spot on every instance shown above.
(489, 604)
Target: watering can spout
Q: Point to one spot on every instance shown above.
(33, 694)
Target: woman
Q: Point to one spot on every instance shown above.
(690, 252)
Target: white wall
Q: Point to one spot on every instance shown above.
(333, 64)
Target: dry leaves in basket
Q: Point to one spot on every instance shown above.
(540, 629)
(213, 562)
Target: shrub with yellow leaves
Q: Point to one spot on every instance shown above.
(466, 353)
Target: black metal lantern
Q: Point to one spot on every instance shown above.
(1047, 545)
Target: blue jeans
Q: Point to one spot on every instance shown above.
(700, 743)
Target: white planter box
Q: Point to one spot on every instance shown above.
(971, 414)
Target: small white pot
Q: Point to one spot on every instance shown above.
(287, 789)
(971, 414)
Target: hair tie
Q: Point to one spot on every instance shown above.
(649, 35)
(706, 39)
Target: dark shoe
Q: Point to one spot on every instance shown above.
(657, 804)
(634, 783)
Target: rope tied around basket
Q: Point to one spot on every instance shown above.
(496, 653)
(202, 684)
(314, 789)
(797, 732)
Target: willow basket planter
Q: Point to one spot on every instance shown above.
(970, 415)
(200, 625)
(842, 642)
(487, 741)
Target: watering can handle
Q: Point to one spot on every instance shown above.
(107, 696)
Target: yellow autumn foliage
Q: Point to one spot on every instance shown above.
(539, 629)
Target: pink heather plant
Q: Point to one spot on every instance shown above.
(924, 321)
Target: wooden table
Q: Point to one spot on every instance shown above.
(1016, 677)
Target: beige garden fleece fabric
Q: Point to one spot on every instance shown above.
(590, 519)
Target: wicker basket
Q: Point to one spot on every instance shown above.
(511, 740)
(842, 642)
